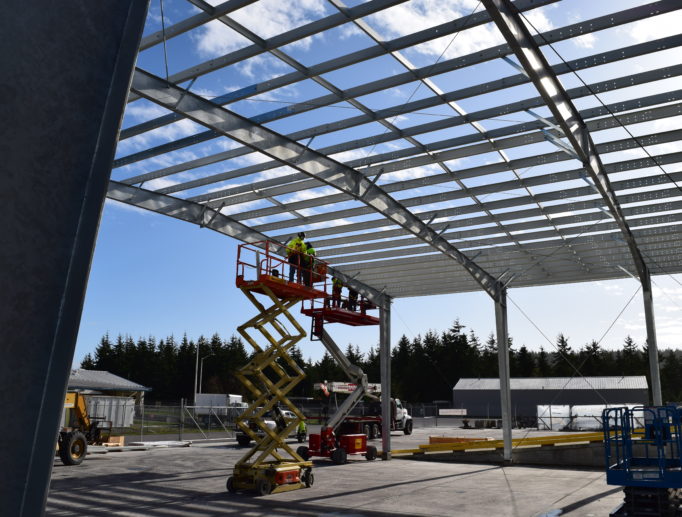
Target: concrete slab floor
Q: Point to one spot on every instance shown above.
(191, 482)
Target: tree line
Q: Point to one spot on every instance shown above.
(423, 369)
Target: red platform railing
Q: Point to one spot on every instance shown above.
(263, 263)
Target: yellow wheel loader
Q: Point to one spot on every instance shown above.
(80, 430)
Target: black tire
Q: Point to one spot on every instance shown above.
(376, 431)
(230, 485)
(263, 487)
(73, 448)
(339, 456)
(367, 430)
(371, 453)
(308, 478)
(243, 440)
(408, 427)
(303, 452)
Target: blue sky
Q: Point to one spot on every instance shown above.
(153, 275)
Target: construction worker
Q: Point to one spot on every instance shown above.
(308, 264)
(295, 252)
(301, 431)
(352, 299)
(337, 286)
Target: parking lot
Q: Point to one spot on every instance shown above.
(190, 481)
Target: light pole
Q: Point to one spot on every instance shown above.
(201, 371)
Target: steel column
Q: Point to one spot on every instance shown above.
(385, 365)
(503, 362)
(80, 58)
(652, 344)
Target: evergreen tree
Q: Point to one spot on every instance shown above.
(104, 355)
(373, 365)
(489, 366)
(524, 364)
(563, 358)
(543, 368)
(88, 363)
(400, 368)
(631, 358)
(591, 359)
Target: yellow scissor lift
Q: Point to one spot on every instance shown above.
(271, 465)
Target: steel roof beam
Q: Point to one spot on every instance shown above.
(598, 251)
(491, 234)
(435, 179)
(573, 205)
(333, 64)
(213, 220)
(279, 40)
(560, 104)
(598, 225)
(508, 21)
(589, 243)
(193, 22)
(564, 33)
(305, 160)
(449, 196)
(338, 244)
(392, 159)
(428, 158)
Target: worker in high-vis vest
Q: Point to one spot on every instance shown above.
(308, 264)
(337, 286)
(295, 251)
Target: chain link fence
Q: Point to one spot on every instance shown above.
(164, 422)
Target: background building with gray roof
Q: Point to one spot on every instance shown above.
(481, 397)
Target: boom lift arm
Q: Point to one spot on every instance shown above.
(355, 374)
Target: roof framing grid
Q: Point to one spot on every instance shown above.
(497, 190)
(306, 160)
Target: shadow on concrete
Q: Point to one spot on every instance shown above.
(136, 493)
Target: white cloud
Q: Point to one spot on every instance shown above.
(145, 111)
(159, 183)
(585, 41)
(349, 30)
(654, 27)
(421, 14)
(168, 133)
(266, 18)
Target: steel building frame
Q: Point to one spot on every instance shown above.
(469, 216)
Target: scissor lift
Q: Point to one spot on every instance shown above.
(271, 465)
(642, 452)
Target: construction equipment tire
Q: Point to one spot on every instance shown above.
(308, 478)
(263, 487)
(303, 452)
(339, 456)
(408, 427)
(73, 448)
(243, 440)
(230, 485)
(371, 453)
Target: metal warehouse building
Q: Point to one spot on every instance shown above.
(481, 397)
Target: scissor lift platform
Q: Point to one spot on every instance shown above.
(280, 287)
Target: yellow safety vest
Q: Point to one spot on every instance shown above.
(296, 245)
